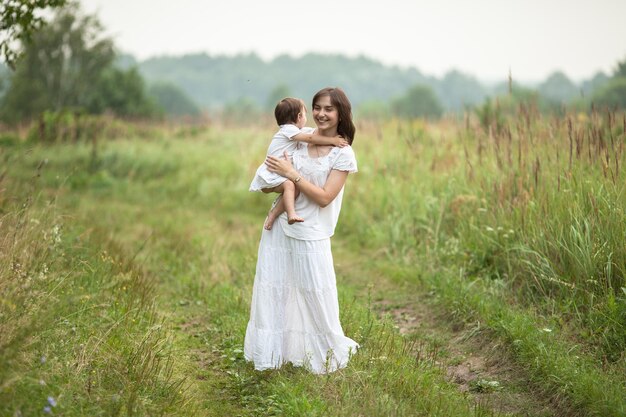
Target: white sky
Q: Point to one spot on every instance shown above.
(481, 37)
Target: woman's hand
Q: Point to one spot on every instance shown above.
(281, 166)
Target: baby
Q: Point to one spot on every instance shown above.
(290, 115)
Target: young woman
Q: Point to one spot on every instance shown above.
(294, 314)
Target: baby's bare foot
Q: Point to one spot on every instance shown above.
(269, 221)
(295, 219)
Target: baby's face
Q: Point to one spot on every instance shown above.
(301, 118)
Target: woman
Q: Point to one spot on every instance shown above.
(294, 315)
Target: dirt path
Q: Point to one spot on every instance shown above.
(472, 358)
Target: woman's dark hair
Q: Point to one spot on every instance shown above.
(339, 99)
(287, 110)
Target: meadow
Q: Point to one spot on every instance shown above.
(127, 261)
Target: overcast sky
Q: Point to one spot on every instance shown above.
(484, 38)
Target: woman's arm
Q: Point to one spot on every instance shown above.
(325, 195)
(322, 196)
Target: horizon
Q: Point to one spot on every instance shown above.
(485, 39)
(490, 82)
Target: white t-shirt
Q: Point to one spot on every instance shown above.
(319, 223)
(283, 139)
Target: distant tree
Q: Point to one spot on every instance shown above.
(588, 87)
(375, 110)
(58, 67)
(69, 64)
(244, 110)
(612, 94)
(125, 61)
(458, 90)
(173, 100)
(518, 95)
(557, 87)
(122, 92)
(278, 93)
(418, 101)
(620, 70)
(494, 110)
(19, 19)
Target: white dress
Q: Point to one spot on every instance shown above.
(281, 142)
(294, 315)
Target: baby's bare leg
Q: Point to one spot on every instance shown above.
(289, 194)
(277, 209)
(289, 199)
(274, 213)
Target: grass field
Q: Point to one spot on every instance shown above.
(126, 270)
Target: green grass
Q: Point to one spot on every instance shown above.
(78, 324)
(147, 299)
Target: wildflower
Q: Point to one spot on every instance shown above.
(47, 410)
(484, 385)
(52, 401)
(56, 235)
(44, 272)
(43, 359)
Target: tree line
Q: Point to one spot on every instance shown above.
(69, 64)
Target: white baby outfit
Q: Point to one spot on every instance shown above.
(281, 142)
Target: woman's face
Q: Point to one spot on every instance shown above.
(325, 114)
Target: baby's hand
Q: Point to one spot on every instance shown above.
(340, 142)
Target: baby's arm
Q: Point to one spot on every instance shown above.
(320, 140)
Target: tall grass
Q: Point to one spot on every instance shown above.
(564, 200)
(79, 332)
(527, 206)
(534, 211)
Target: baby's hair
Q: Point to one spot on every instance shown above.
(287, 110)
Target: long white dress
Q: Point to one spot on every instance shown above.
(294, 315)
